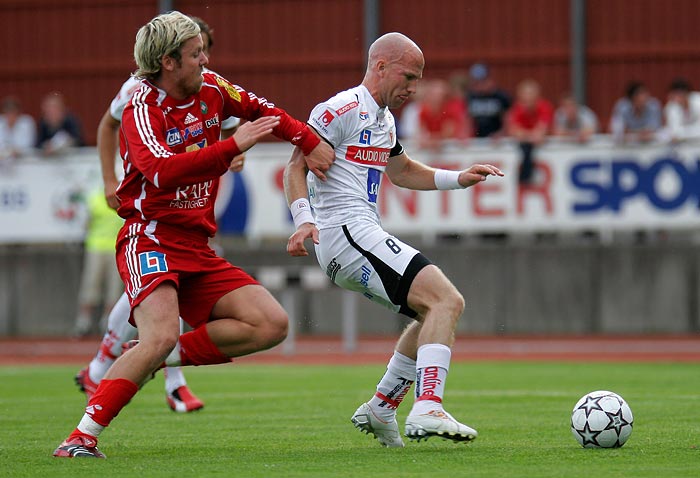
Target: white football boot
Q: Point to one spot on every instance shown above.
(386, 433)
(437, 422)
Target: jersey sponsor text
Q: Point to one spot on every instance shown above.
(346, 108)
(373, 156)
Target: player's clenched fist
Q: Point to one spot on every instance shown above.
(295, 244)
(237, 163)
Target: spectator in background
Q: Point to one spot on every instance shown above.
(100, 283)
(58, 128)
(442, 115)
(682, 112)
(486, 103)
(529, 122)
(17, 130)
(636, 116)
(407, 127)
(573, 121)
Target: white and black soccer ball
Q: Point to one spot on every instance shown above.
(601, 419)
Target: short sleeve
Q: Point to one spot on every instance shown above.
(325, 121)
(116, 108)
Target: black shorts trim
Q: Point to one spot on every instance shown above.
(396, 285)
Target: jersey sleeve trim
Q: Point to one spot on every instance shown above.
(397, 150)
(321, 136)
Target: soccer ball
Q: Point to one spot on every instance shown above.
(601, 419)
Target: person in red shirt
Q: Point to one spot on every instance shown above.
(442, 115)
(529, 122)
(169, 143)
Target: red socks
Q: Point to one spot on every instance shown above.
(196, 348)
(111, 396)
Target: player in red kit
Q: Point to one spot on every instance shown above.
(173, 159)
(178, 395)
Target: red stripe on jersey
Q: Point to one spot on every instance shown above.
(371, 156)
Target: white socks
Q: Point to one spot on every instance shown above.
(432, 365)
(89, 426)
(119, 331)
(393, 387)
(174, 379)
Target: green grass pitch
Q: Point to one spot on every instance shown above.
(293, 421)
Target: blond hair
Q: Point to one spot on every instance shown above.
(163, 36)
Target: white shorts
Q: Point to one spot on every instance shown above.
(362, 257)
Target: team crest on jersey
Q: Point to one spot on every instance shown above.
(173, 137)
(204, 107)
(193, 130)
(364, 115)
(365, 137)
(229, 88)
(197, 146)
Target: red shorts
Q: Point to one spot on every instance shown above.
(147, 257)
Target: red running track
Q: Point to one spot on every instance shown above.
(329, 350)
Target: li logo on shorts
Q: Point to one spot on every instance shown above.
(152, 262)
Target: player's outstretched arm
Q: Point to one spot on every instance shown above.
(407, 173)
(298, 202)
(107, 143)
(477, 173)
(251, 132)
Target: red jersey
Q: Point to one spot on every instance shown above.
(528, 119)
(452, 114)
(172, 154)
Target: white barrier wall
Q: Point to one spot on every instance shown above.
(42, 200)
(595, 187)
(598, 186)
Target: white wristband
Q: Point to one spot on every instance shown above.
(301, 212)
(446, 179)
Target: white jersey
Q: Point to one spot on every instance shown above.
(119, 102)
(116, 108)
(363, 136)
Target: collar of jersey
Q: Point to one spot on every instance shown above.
(371, 101)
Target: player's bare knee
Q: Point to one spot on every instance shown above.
(162, 344)
(280, 330)
(276, 329)
(455, 303)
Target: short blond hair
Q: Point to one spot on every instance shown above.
(163, 36)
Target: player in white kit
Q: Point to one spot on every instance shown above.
(357, 254)
(178, 395)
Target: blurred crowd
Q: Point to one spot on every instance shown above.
(471, 104)
(467, 105)
(56, 130)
